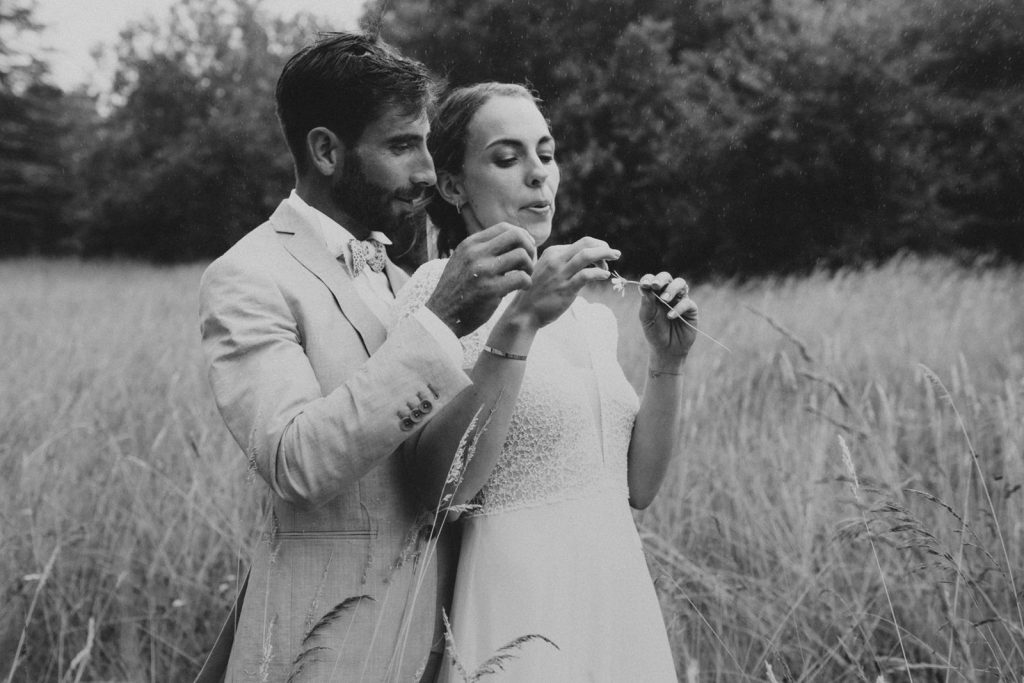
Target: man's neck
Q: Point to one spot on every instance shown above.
(319, 197)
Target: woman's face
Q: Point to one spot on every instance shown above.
(509, 173)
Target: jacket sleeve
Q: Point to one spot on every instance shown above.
(309, 446)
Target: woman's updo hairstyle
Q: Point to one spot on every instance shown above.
(449, 131)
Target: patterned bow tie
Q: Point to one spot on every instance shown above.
(367, 253)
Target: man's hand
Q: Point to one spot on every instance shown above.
(484, 268)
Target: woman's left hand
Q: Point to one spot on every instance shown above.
(669, 323)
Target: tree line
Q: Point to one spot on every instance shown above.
(731, 137)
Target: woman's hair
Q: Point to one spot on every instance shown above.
(449, 131)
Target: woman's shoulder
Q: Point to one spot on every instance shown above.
(422, 282)
(417, 289)
(430, 271)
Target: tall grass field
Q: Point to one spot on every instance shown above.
(845, 505)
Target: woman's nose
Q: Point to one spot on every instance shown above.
(537, 174)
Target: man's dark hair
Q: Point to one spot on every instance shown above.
(343, 82)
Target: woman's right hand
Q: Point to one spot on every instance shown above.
(558, 276)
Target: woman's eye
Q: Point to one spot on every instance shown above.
(547, 158)
(505, 162)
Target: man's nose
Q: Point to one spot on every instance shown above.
(424, 173)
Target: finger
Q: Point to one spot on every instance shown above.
(585, 256)
(511, 281)
(504, 237)
(685, 309)
(661, 280)
(554, 253)
(507, 247)
(517, 259)
(588, 242)
(655, 283)
(591, 274)
(675, 289)
(488, 234)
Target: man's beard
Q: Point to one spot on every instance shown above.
(370, 204)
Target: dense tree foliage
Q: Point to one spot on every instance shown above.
(190, 157)
(743, 136)
(727, 136)
(32, 125)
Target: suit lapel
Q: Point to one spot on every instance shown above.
(396, 276)
(302, 241)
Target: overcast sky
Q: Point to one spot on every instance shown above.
(75, 26)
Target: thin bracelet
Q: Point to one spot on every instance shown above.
(657, 373)
(503, 354)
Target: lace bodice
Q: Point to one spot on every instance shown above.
(571, 425)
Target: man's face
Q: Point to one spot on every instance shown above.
(385, 176)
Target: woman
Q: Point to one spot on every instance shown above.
(549, 544)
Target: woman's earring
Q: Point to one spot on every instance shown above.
(458, 207)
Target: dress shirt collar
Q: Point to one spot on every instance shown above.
(335, 237)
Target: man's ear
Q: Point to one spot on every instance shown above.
(450, 188)
(326, 150)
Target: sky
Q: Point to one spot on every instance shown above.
(73, 27)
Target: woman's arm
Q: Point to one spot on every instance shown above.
(658, 425)
(559, 274)
(490, 399)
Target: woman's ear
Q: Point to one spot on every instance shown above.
(326, 150)
(450, 188)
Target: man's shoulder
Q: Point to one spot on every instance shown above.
(254, 252)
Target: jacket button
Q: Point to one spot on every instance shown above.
(407, 424)
(416, 414)
(426, 406)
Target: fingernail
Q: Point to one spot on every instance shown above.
(616, 253)
(673, 314)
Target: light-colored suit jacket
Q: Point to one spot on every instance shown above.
(319, 401)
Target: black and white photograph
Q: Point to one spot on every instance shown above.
(524, 341)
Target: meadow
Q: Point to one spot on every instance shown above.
(845, 505)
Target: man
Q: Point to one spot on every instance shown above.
(293, 321)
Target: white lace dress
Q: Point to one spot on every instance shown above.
(553, 549)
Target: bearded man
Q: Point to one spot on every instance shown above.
(319, 398)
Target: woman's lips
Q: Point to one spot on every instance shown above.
(538, 207)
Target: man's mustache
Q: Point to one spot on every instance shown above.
(418, 196)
